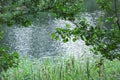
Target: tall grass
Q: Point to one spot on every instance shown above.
(63, 69)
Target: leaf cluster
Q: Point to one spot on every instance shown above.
(17, 11)
(8, 60)
(104, 40)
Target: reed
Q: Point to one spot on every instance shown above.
(63, 69)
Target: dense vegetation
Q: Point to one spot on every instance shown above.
(63, 69)
(103, 37)
(16, 11)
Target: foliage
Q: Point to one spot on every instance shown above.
(8, 60)
(17, 11)
(104, 39)
(63, 69)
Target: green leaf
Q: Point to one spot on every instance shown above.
(109, 19)
(53, 35)
(74, 39)
(65, 40)
(1, 37)
(57, 38)
(10, 23)
(67, 25)
(83, 37)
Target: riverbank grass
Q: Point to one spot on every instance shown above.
(63, 69)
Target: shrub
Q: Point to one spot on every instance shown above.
(8, 60)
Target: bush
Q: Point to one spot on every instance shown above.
(8, 60)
